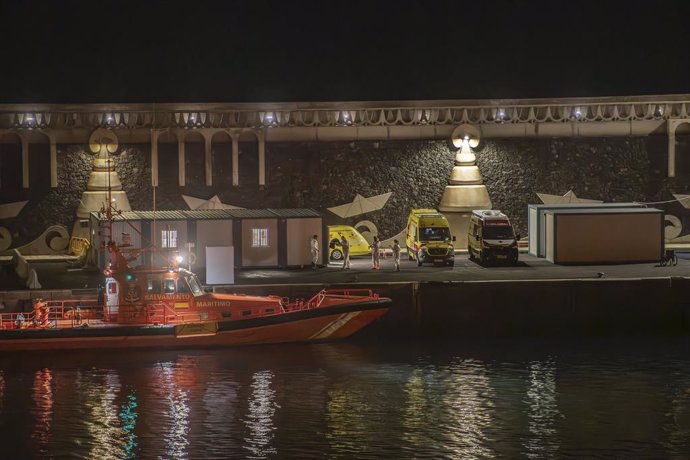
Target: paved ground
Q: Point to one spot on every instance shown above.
(57, 275)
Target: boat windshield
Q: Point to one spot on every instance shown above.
(194, 285)
(435, 234)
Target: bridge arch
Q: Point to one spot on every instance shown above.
(682, 147)
(192, 157)
(222, 153)
(249, 165)
(164, 151)
(14, 156)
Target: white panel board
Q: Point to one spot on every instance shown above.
(220, 265)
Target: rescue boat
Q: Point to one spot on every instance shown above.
(145, 307)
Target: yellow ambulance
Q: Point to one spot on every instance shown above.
(359, 246)
(428, 238)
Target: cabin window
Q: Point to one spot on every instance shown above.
(194, 285)
(226, 314)
(260, 237)
(246, 312)
(169, 286)
(169, 239)
(153, 286)
(112, 288)
(269, 310)
(182, 286)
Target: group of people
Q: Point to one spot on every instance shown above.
(375, 248)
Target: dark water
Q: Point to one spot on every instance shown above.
(587, 398)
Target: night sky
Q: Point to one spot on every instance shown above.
(232, 51)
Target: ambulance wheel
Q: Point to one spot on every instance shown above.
(469, 251)
(419, 261)
(451, 264)
(482, 257)
(337, 254)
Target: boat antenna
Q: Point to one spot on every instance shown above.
(154, 183)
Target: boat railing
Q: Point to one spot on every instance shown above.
(339, 294)
(164, 313)
(52, 313)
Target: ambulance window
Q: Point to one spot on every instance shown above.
(112, 288)
(182, 286)
(169, 286)
(153, 286)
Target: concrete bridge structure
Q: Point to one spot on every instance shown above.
(31, 125)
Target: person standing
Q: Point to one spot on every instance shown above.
(375, 254)
(314, 251)
(19, 322)
(345, 245)
(396, 255)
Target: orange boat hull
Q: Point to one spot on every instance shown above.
(323, 325)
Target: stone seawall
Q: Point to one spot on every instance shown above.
(326, 174)
(523, 308)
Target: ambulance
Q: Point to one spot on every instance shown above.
(491, 237)
(428, 238)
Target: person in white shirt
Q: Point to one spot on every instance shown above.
(314, 251)
(396, 255)
(346, 252)
(375, 254)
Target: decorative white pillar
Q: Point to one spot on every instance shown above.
(25, 163)
(208, 161)
(671, 126)
(262, 161)
(181, 172)
(235, 161)
(154, 158)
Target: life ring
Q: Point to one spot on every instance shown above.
(191, 258)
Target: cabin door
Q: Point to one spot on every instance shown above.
(112, 290)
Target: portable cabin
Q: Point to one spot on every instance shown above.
(134, 231)
(605, 235)
(260, 237)
(536, 221)
(298, 226)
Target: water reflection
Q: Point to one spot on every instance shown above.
(342, 402)
(42, 397)
(259, 420)
(415, 410)
(2, 389)
(128, 418)
(102, 422)
(542, 410)
(466, 408)
(221, 402)
(679, 424)
(177, 410)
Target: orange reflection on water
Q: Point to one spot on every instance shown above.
(42, 397)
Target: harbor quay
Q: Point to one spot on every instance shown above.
(532, 298)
